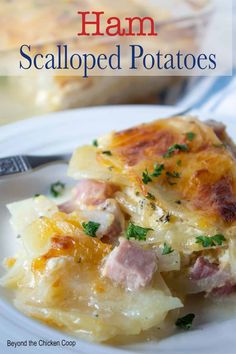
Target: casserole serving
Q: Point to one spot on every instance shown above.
(150, 221)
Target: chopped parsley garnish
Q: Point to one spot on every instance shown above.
(57, 189)
(137, 232)
(36, 195)
(211, 241)
(190, 136)
(157, 171)
(175, 147)
(95, 143)
(173, 174)
(186, 321)
(167, 249)
(107, 152)
(90, 228)
(146, 177)
(150, 196)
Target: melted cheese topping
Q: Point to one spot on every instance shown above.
(207, 171)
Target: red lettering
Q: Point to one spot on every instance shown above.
(85, 23)
(141, 22)
(114, 28)
(137, 26)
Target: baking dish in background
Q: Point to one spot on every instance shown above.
(181, 24)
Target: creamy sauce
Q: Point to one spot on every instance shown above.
(207, 310)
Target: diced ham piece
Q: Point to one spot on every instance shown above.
(87, 193)
(220, 131)
(218, 127)
(67, 207)
(224, 290)
(208, 277)
(92, 192)
(130, 266)
(202, 268)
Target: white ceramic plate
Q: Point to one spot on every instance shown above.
(214, 330)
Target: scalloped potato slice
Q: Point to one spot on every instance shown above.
(125, 319)
(90, 306)
(23, 213)
(84, 164)
(37, 236)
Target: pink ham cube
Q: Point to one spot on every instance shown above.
(88, 193)
(202, 269)
(130, 266)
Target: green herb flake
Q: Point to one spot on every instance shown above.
(146, 177)
(150, 196)
(190, 136)
(173, 174)
(107, 152)
(186, 321)
(137, 232)
(90, 228)
(57, 189)
(218, 239)
(167, 249)
(36, 195)
(158, 170)
(95, 143)
(175, 147)
(211, 241)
